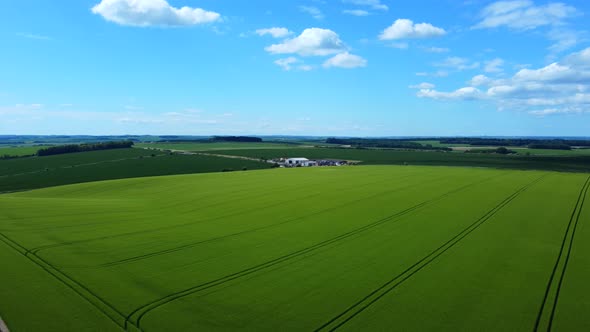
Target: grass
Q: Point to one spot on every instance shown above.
(366, 247)
(215, 146)
(20, 150)
(396, 157)
(39, 172)
(550, 152)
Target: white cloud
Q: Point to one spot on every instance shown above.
(494, 66)
(345, 60)
(291, 63)
(563, 39)
(458, 63)
(555, 111)
(554, 73)
(374, 4)
(480, 80)
(286, 63)
(558, 88)
(404, 28)
(400, 46)
(523, 14)
(144, 13)
(313, 11)
(423, 85)
(438, 73)
(356, 12)
(275, 32)
(311, 42)
(33, 36)
(466, 93)
(579, 59)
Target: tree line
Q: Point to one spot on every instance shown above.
(384, 143)
(245, 139)
(559, 144)
(73, 148)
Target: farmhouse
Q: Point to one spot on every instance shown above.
(299, 162)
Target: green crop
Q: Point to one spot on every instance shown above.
(348, 248)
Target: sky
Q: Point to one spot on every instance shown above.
(295, 67)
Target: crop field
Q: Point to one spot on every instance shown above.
(20, 150)
(309, 249)
(397, 157)
(39, 172)
(216, 146)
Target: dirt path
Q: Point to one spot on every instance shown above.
(207, 154)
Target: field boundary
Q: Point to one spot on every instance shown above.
(361, 305)
(148, 307)
(568, 240)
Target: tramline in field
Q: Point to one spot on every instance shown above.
(350, 248)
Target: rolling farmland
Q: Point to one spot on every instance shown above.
(322, 249)
(578, 163)
(214, 146)
(40, 172)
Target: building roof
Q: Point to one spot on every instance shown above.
(299, 159)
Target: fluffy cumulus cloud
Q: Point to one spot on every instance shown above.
(558, 88)
(144, 13)
(373, 4)
(311, 42)
(275, 32)
(523, 14)
(404, 29)
(345, 60)
(315, 42)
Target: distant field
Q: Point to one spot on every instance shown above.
(39, 172)
(312, 249)
(435, 143)
(396, 157)
(20, 150)
(549, 152)
(519, 150)
(215, 146)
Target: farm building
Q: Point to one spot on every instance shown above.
(299, 162)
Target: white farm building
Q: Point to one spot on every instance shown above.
(299, 162)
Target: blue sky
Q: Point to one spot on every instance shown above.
(295, 67)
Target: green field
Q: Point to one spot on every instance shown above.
(396, 157)
(20, 150)
(215, 146)
(348, 248)
(550, 152)
(39, 172)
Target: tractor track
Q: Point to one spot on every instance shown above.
(361, 305)
(153, 230)
(194, 244)
(93, 299)
(141, 311)
(568, 240)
